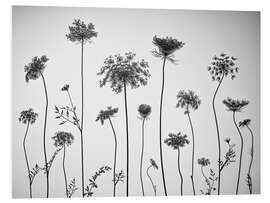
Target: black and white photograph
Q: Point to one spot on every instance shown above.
(119, 102)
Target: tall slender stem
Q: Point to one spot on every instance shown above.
(160, 126)
(251, 160)
(152, 183)
(193, 146)
(125, 94)
(26, 159)
(44, 136)
(82, 159)
(179, 170)
(218, 135)
(114, 162)
(64, 170)
(241, 152)
(141, 178)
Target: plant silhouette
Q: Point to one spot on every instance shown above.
(234, 106)
(68, 113)
(92, 181)
(37, 169)
(120, 72)
(221, 66)
(166, 48)
(62, 140)
(71, 188)
(176, 141)
(28, 117)
(210, 181)
(242, 124)
(82, 33)
(189, 100)
(119, 177)
(144, 111)
(229, 156)
(34, 70)
(153, 165)
(106, 115)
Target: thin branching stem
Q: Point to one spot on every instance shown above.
(217, 128)
(160, 126)
(26, 159)
(179, 170)
(193, 147)
(73, 111)
(141, 178)
(223, 165)
(251, 160)
(241, 152)
(114, 162)
(44, 136)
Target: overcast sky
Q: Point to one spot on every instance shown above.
(41, 30)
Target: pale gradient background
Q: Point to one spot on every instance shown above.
(41, 30)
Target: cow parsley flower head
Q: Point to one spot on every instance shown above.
(223, 66)
(203, 161)
(62, 138)
(106, 114)
(235, 105)
(166, 47)
(176, 140)
(144, 110)
(28, 116)
(35, 68)
(79, 31)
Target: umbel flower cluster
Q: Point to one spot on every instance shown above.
(35, 68)
(166, 47)
(106, 114)
(62, 138)
(203, 161)
(28, 116)
(176, 140)
(144, 110)
(123, 71)
(235, 105)
(223, 66)
(188, 99)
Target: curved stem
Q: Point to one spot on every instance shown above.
(217, 128)
(241, 152)
(160, 126)
(125, 94)
(141, 178)
(26, 160)
(193, 144)
(203, 173)
(152, 183)
(114, 163)
(251, 160)
(64, 170)
(179, 170)
(82, 151)
(44, 135)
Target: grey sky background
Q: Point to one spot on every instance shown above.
(41, 30)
